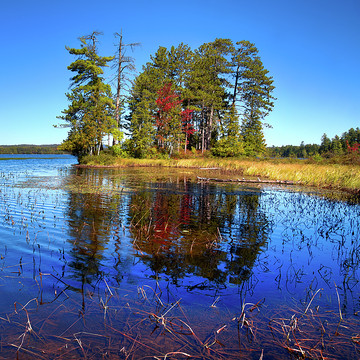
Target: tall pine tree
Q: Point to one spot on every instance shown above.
(253, 89)
(90, 113)
(207, 86)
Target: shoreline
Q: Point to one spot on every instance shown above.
(345, 178)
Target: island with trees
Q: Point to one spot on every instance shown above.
(209, 104)
(214, 98)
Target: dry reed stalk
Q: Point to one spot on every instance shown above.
(337, 293)
(176, 353)
(307, 308)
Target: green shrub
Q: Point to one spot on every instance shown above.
(119, 151)
(228, 147)
(104, 158)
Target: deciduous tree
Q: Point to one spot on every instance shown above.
(168, 120)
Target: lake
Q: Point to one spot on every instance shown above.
(150, 263)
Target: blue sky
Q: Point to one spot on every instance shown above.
(310, 47)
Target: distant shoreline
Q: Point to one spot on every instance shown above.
(29, 149)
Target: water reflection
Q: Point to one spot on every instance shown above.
(89, 232)
(105, 232)
(178, 229)
(203, 237)
(214, 235)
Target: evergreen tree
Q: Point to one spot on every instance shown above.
(202, 80)
(142, 102)
(253, 89)
(90, 113)
(207, 86)
(230, 143)
(350, 137)
(141, 118)
(180, 59)
(187, 125)
(336, 146)
(325, 145)
(253, 136)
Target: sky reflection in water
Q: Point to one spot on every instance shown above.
(88, 230)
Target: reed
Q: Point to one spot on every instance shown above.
(336, 176)
(150, 327)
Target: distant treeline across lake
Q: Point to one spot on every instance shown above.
(30, 149)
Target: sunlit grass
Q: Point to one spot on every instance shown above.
(312, 174)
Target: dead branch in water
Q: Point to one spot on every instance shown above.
(254, 181)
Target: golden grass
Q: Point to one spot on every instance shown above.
(321, 175)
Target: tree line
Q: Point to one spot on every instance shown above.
(346, 143)
(216, 98)
(29, 149)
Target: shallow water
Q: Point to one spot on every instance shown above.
(129, 263)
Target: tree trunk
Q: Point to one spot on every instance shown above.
(118, 88)
(236, 85)
(209, 128)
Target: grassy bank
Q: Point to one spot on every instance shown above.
(336, 176)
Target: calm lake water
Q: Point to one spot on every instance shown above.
(148, 263)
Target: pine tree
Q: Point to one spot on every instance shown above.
(187, 125)
(143, 108)
(252, 134)
(230, 144)
(141, 121)
(90, 113)
(253, 89)
(202, 79)
(325, 145)
(207, 86)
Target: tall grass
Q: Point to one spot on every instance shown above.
(313, 174)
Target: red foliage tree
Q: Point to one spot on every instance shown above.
(167, 102)
(354, 148)
(187, 127)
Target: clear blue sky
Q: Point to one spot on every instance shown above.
(310, 47)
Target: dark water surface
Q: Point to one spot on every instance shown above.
(149, 263)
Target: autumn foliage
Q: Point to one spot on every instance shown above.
(353, 149)
(173, 124)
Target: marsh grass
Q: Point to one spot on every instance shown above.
(110, 326)
(335, 176)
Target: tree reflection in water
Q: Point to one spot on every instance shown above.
(148, 252)
(213, 234)
(179, 229)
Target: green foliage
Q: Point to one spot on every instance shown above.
(227, 147)
(211, 80)
(317, 157)
(230, 143)
(330, 150)
(207, 86)
(155, 153)
(119, 151)
(253, 91)
(90, 113)
(254, 141)
(141, 127)
(216, 78)
(103, 159)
